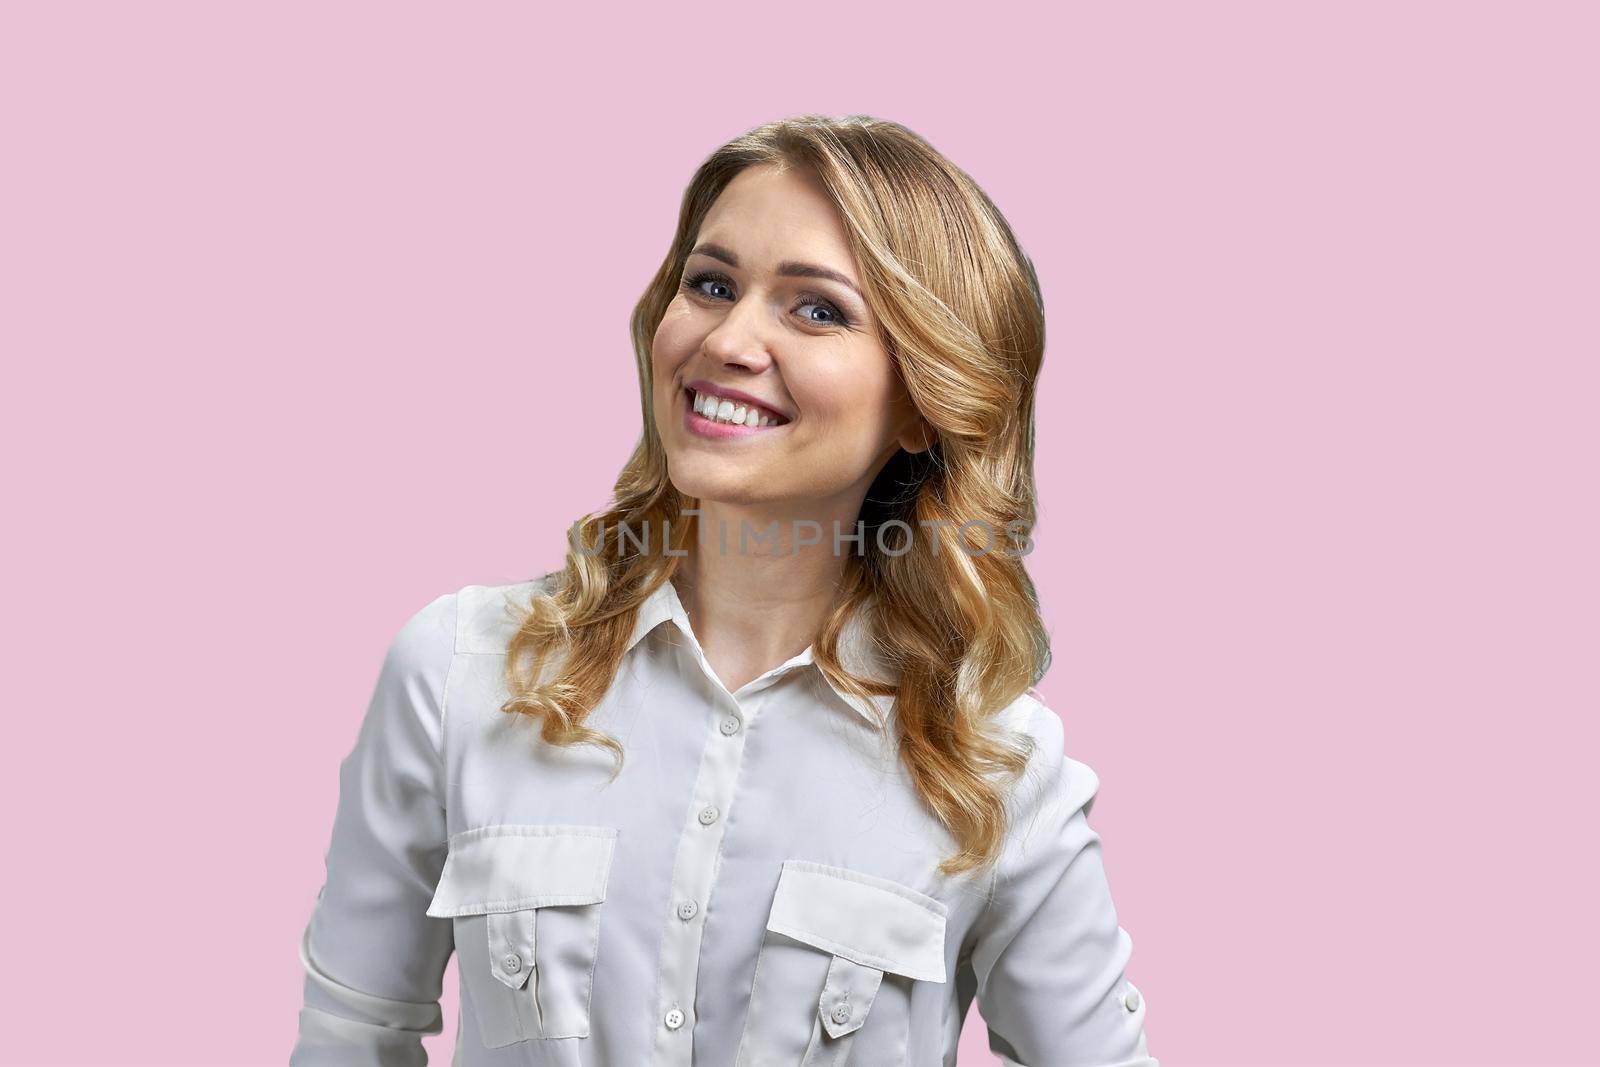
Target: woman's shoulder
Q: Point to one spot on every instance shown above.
(488, 616)
(1051, 773)
(1029, 719)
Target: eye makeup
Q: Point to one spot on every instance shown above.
(693, 282)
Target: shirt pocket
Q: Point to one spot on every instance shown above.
(526, 901)
(838, 962)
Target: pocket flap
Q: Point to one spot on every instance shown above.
(847, 996)
(512, 867)
(511, 955)
(870, 920)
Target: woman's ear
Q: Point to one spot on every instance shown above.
(919, 437)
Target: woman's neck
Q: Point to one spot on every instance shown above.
(756, 602)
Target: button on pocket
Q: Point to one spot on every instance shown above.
(841, 955)
(526, 903)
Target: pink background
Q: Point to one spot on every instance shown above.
(312, 312)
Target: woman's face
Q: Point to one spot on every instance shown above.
(757, 324)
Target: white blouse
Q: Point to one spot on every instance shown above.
(758, 887)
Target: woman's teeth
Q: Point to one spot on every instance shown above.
(728, 411)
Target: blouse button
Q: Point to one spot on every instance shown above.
(1130, 1000)
(841, 1014)
(730, 725)
(708, 815)
(512, 963)
(687, 909)
(674, 1019)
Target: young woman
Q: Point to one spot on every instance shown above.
(759, 777)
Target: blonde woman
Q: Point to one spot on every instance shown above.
(759, 778)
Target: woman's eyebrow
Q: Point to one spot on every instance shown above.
(789, 268)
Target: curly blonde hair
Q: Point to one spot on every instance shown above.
(963, 322)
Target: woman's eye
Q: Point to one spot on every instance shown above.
(698, 283)
(836, 320)
(717, 287)
(694, 284)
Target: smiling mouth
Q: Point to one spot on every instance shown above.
(732, 413)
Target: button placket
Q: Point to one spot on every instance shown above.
(699, 845)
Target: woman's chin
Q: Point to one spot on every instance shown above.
(724, 490)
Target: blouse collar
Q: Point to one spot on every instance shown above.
(857, 652)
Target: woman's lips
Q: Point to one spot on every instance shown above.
(701, 426)
(703, 387)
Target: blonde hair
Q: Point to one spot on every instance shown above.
(963, 322)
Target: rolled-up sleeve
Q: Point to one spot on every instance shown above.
(1048, 954)
(374, 960)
